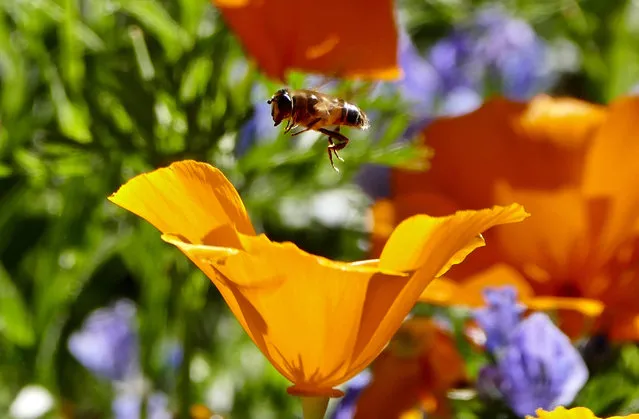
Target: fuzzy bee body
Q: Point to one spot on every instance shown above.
(317, 111)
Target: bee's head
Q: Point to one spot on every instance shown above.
(281, 106)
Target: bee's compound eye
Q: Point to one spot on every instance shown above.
(285, 102)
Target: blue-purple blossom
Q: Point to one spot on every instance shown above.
(107, 343)
(420, 81)
(540, 368)
(127, 405)
(500, 316)
(260, 126)
(492, 52)
(345, 409)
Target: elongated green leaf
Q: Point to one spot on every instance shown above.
(195, 79)
(15, 319)
(157, 20)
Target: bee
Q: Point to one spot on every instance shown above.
(316, 111)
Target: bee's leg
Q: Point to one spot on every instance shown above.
(330, 140)
(331, 144)
(334, 147)
(289, 125)
(308, 127)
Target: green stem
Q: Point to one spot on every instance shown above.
(314, 407)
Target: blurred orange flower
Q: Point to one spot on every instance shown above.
(417, 369)
(574, 413)
(573, 165)
(356, 38)
(318, 321)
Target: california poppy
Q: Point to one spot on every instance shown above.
(318, 321)
(574, 166)
(356, 38)
(574, 413)
(417, 369)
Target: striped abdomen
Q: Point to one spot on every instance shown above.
(353, 116)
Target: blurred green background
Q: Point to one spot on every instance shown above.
(94, 92)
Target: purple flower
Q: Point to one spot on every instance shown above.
(493, 50)
(346, 407)
(260, 127)
(500, 317)
(420, 82)
(450, 57)
(107, 343)
(128, 405)
(539, 368)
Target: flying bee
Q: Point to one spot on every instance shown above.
(316, 111)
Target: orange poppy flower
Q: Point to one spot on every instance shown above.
(356, 38)
(574, 413)
(417, 369)
(318, 321)
(573, 165)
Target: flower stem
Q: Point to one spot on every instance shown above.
(314, 407)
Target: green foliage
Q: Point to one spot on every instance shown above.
(93, 92)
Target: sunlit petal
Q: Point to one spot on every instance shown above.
(612, 173)
(191, 199)
(342, 41)
(574, 413)
(319, 322)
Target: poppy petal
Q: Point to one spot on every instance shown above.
(330, 37)
(295, 305)
(555, 240)
(588, 307)
(188, 198)
(504, 139)
(444, 291)
(425, 245)
(442, 241)
(612, 171)
(574, 413)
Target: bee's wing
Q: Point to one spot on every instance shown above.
(325, 104)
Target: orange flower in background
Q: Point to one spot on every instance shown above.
(417, 369)
(574, 413)
(356, 38)
(574, 166)
(319, 322)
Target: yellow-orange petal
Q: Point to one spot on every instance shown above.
(556, 239)
(347, 43)
(395, 388)
(586, 306)
(612, 171)
(320, 322)
(444, 291)
(574, 413)
(565, 121)
(191, 199)
(441, 241)
(507, 140)
(304, 312)
(423, 239)
(623, 326)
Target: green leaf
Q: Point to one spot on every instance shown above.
(157, 20)
(72, 121)
(15, 320)
(196, 78)
(623, 55)
(630, 360)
